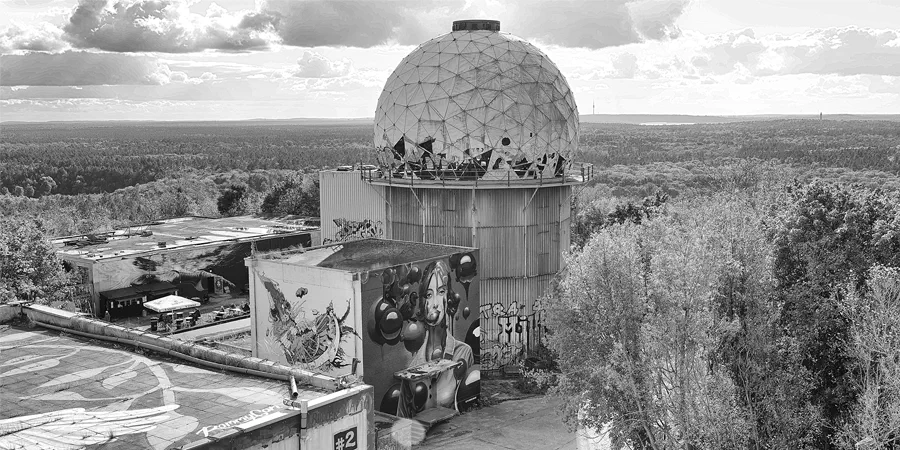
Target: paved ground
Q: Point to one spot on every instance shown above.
(516, 424)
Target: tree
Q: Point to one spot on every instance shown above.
(293, 197)
(633, 325)
(29, 191)
(29, 267)
(18, 191)
(827, 237)
(232, 201)
(47, 186)
(875, 330)
(594, 218)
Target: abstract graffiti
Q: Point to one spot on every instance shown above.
(67, 428)
(111, 395)
(408, 159)
(423, 307)
(511, 333)
(355, 229)
(311, 342)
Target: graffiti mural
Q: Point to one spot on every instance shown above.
(509, 333)
(415, 314)
(307, 337)
(355, 229)
(56, 385)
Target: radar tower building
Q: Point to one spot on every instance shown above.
(475, 137)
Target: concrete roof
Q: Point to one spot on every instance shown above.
(63, 387)
(179, 233)
(369, 254)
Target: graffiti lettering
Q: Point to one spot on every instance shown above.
(252, 415)
(508, 333)
(355, 229)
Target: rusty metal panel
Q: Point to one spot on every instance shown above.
(544, 205)
(351, 207)
(502, 251)
(448, 216)
(405, 215)
(406, 232)
(448, 235)
(500, 231)
(501, 207)
(556, 250)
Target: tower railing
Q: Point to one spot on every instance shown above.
(576, 173)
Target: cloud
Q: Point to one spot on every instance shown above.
(314, 65)
(743, 56)
(170, 26)
(40, 36)
(596, 24)
(839, 51)
(350, 23)
(572, 23)
(73, 68)
(162, 26)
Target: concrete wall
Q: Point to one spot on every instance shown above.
(343, 420)
(305, 316)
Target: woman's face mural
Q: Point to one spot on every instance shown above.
(435, 296)
(416, 313)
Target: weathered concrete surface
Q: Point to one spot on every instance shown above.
(215, 331)
(518, 424)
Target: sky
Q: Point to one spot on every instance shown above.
(280, 59)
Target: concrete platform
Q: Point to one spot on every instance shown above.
(519, 424)
(235, 326)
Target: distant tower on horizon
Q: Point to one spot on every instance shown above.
(820, 116)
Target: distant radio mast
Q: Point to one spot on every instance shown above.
(593, 105)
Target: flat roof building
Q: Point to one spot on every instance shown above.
(194, 257)
(66, 386)
(403, 315)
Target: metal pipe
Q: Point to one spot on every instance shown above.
(166, 351)
(294, 392)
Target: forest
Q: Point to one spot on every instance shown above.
(729, 286)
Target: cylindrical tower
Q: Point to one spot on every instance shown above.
(475, 132)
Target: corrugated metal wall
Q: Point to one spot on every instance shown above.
(520, 233)
(351, 207)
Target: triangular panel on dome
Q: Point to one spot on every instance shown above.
(444, 73)
(481, 46)
(533, 59)
(429, 59)
(418, 110)
(414, 94)
(410, 75)
(428, 74)
(530, 73)
(431, 91)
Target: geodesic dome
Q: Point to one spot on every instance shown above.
(476, 103)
